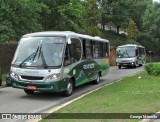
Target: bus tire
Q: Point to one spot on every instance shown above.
(97, 80)
(135, 66)
(69, 90)
(28, 91)
(119, 66)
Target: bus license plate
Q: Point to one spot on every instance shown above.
(31, 87)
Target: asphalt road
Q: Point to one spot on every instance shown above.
(16, 101)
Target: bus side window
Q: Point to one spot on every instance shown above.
(105, 50)
(75, 50)
(97, 51)
(67, 60)
(101, 49)
(88, 50)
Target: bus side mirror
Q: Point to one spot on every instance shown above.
(69, 41)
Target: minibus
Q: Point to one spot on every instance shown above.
(130, 55)
(58, 61)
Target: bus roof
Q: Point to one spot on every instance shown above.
(64, 33)
(135, 45)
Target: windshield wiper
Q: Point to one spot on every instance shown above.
(42, 57)
(127, 54)
(43, 60)
(33, 54)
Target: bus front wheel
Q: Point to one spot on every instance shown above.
(97, 79)
(119, 66)
(28, 91)
(69, 89)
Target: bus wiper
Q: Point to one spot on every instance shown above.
(43, 60)
(33, 54)
(127, 54)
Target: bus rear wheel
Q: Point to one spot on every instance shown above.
(69, 90)
(28, 91)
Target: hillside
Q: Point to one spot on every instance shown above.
(114, 38)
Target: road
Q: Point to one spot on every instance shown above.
(16, 101)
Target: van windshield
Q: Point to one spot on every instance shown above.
(39, 52)
(126, 52)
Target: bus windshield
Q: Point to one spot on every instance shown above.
(126, 52)
(39, 52)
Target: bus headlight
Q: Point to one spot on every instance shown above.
(117, 60)
(14, 75)
(52, 77)
(133, 60)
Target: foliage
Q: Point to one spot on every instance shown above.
(115, 12)
(137, 10)
(131, 41)
(153, 69)
(19, 17)
(63, 15)
(147, 41)
(92, 18)
(132, 30)
(151, 20)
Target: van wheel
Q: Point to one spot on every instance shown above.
(69, 89)
(28, 91)
(97, 80)
(135, 66)
(119, 66)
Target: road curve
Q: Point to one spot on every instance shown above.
(16, 101)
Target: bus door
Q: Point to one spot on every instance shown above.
(72, 61)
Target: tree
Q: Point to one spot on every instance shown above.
(92, 18)
(136, 11)
(18, 17)
(115, 12)
(132, 30)
(151, 20)
(63, 15)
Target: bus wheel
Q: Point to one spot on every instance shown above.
(28, 91)
(69, 89)
(119, 66)
(97, 79)
(135, 66)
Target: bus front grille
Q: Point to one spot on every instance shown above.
(31, 77)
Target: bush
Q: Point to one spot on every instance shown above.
(152, 68)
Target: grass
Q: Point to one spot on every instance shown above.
(135, 94)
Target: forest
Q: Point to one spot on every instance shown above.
(139, 19)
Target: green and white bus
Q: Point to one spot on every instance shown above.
(130, 55)
(58, 61)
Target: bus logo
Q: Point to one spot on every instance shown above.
(88, 66)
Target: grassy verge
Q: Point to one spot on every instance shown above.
(135, 94)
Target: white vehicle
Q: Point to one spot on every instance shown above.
(130, 55)
(58, 61)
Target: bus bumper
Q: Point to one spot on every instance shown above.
(126, 64)
(55, 86)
